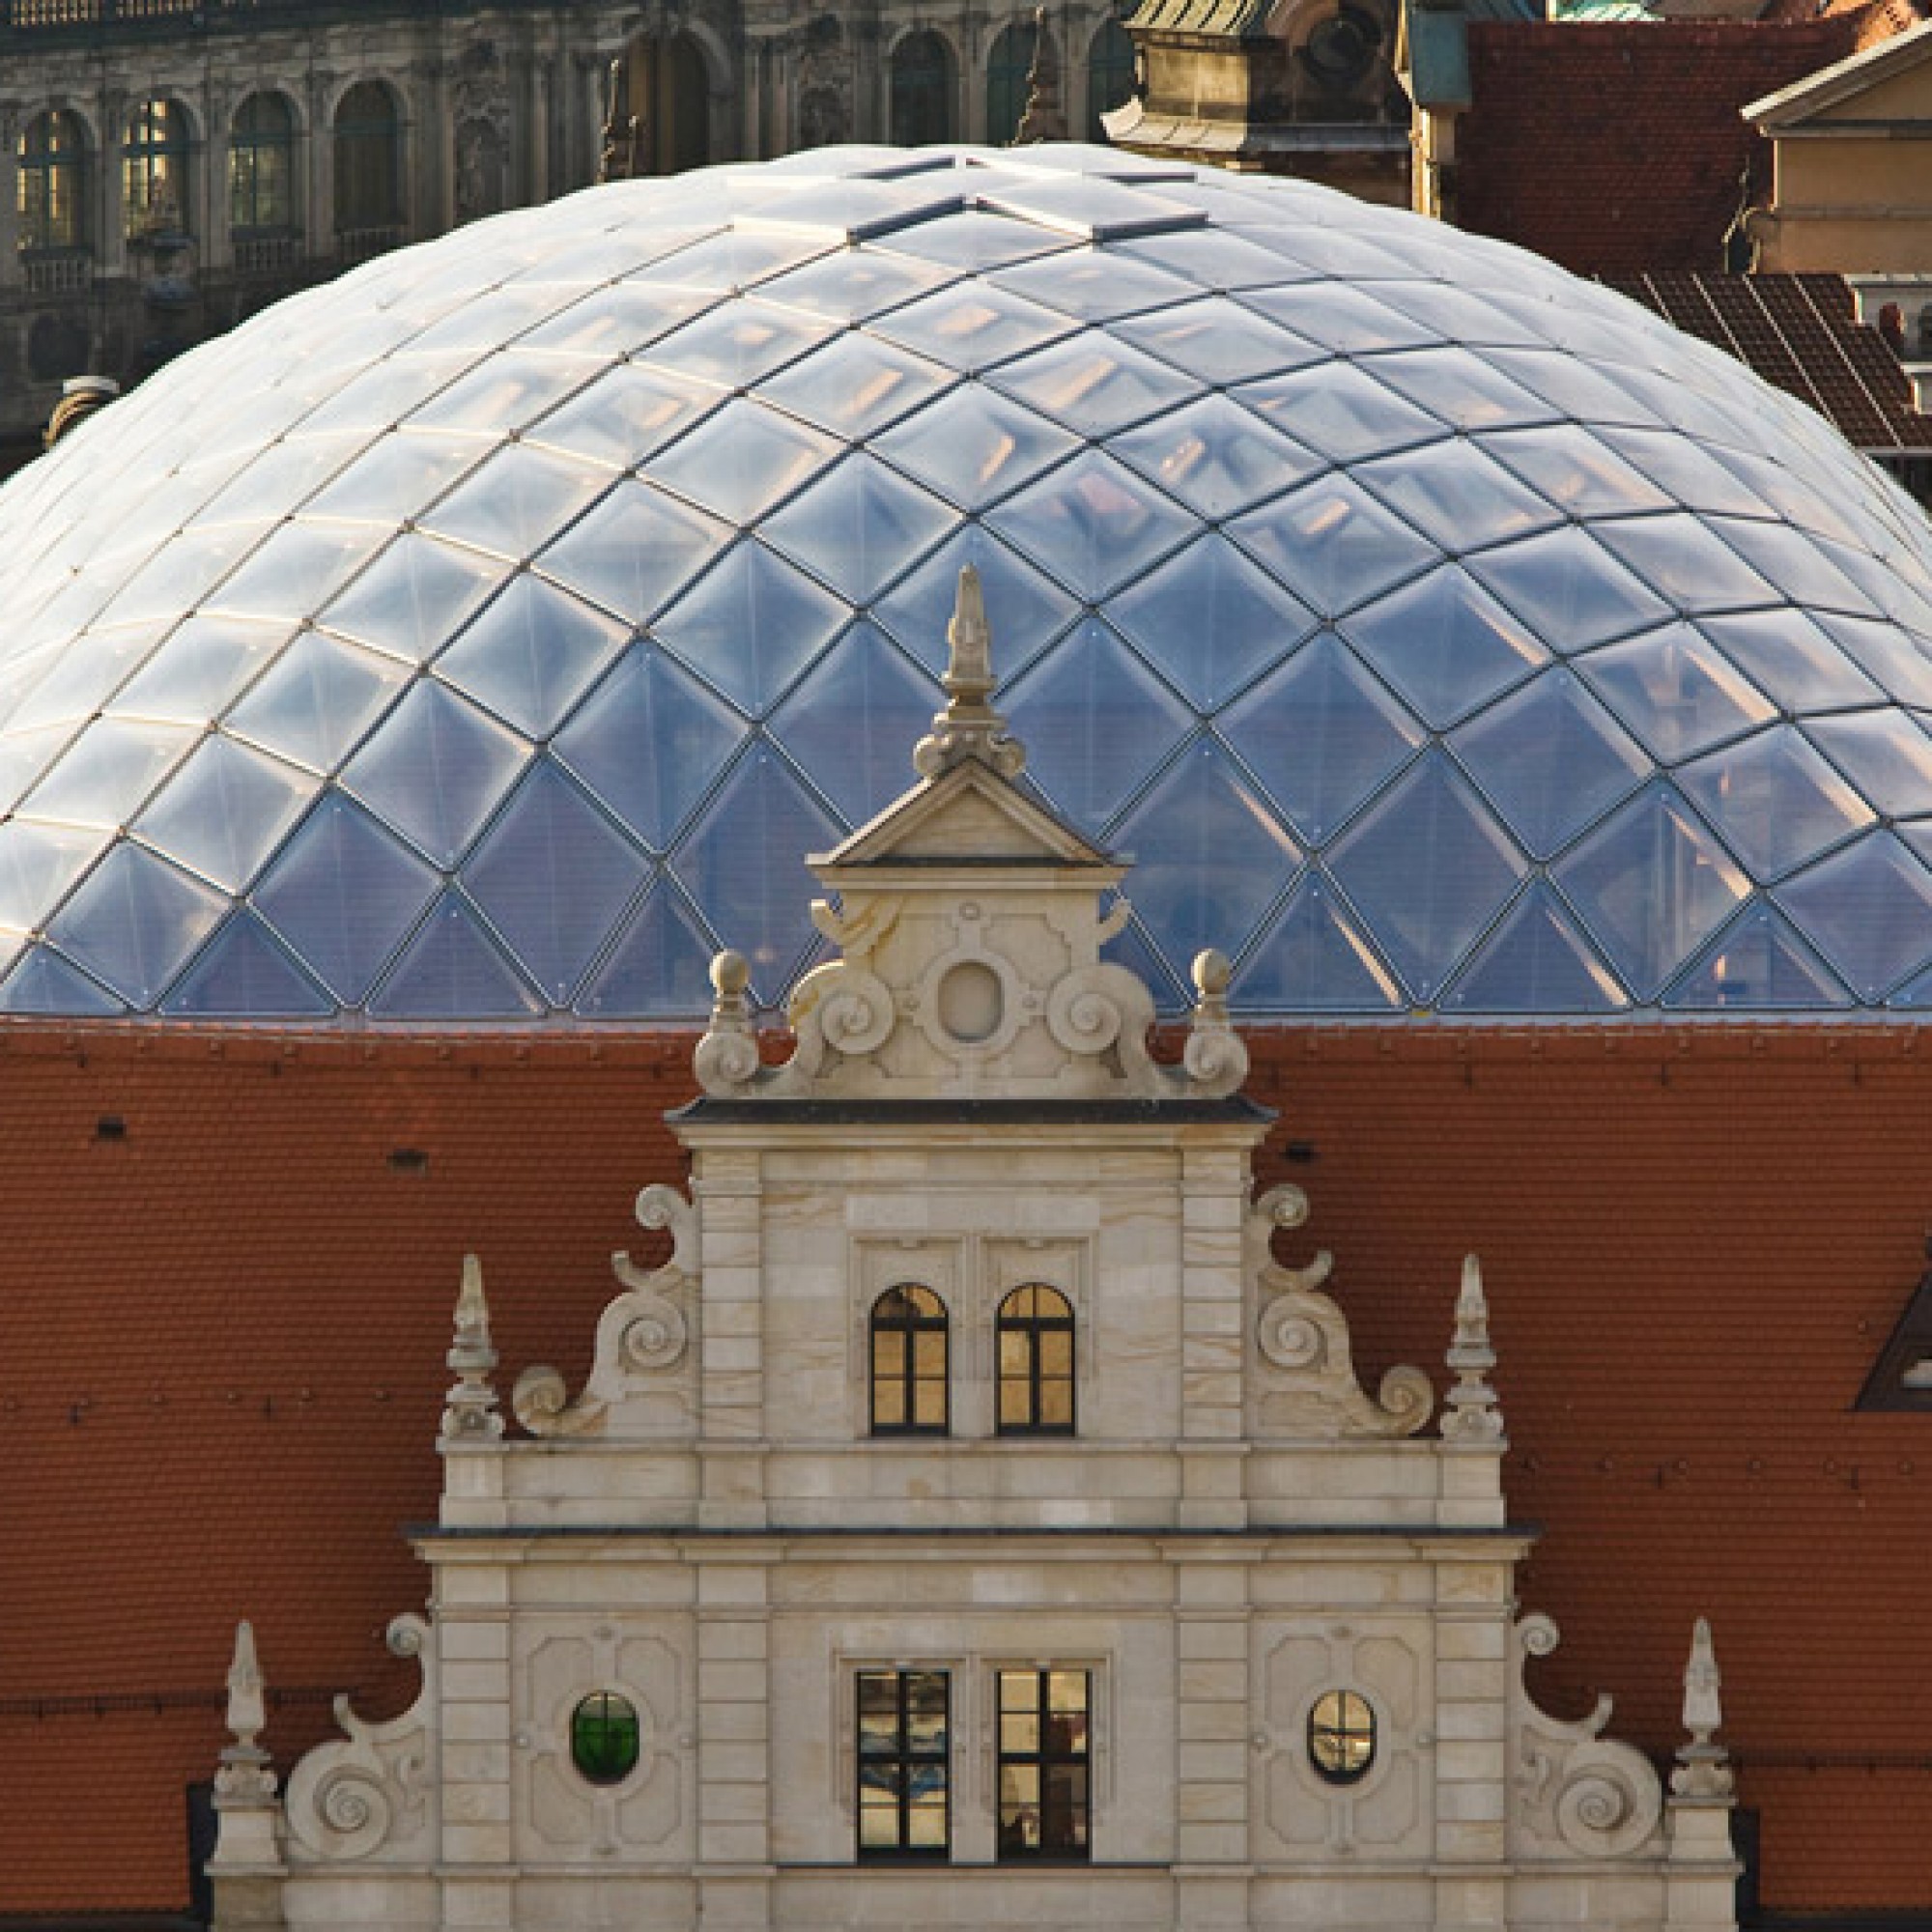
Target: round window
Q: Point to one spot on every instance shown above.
(1342, 1736)
(604, 1738)
(1341, 48)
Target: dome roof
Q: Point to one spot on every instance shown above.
(490, 634)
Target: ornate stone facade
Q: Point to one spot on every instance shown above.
(971, 1519)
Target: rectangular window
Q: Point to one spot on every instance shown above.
(903, 1740)
(1043, 1764)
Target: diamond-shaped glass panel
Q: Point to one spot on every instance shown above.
(625, 416)
(552, 875)
(746, 458)
(413, 596)
(1653, 884)
(507, 391)
(1341, 411)
(1680, 558)
(660, 967)
(1535, 961)
(1445, 644)
(1334, 545)
(975, 240)
(853, 720)
(242, 974)
(1211, 619)
(1903, 668)
(1793, 661)
(38, 864)
(973, 325)
(1095, 722)
(1675, 690)
(1427, 866)
(634, 551)
(1092, 524)
(973, 447)
(1775, 800)
(1573, 467)
(858, 526)
(134, 922)
(226, 809)
(1215, 457)
(435, 769)
(1551, 759)
(1688, 475)
(736, 345)
(856, 386)
(1314, 957)
(191, 678)
(744, 862)
(344, 893)
(71, 685)
(1209, 856)
(296, 571)
(453, 970)
(109, 771)
(856, 285)
(1885, 753)
(1868, 910)
(514, 503)
(318, 700)
(1322, 734)
(1759, 964)
(1351, 322)
(1454, 493)
(1789, 559)
(396, 478)
(621, 320)
(1568, 589)
(1219, 343)
(1094, 384)
(649, 741)
(1462, 389)
(44, 983)
(751, 624)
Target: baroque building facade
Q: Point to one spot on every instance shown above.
(972, 1520)
(171, 168)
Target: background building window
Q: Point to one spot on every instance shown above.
(368, 159)
(904, 1741)
(262, 165)
(668, 91)
(52, 183)
(1110, 74)
(1035, 1331)
(923, 88)
(1043, 1764)
(1007, 67)
(153, 170)
(604, 1738)
(909, 1366)
(1342, 1736)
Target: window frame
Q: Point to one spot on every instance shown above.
(1340, 1733)
(903, 1762)
(1047, 1755)
(51, 159)
(1031, 1330)
(907, 1379)
(367, 149)
(262, 172)
(618, 1718)
(157, 169)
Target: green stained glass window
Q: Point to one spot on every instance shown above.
(605, 1736)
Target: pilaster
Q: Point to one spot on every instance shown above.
(1213, 1702)
(734, 1768)
(1472, 1750)
(1214, 1343)
(728, 1188)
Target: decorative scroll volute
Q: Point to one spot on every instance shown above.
(642, 1336)
(371, 1797)
(1306, 1380)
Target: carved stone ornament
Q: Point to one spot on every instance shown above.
(1703, 1773)
(1303, 1337)
(1473, 1418)
(643, 1333)
(368, 1796)
(471, 1412)
(244, 1779)
(1578, 1796)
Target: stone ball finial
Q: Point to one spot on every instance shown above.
(730, 974)
(1212, 972)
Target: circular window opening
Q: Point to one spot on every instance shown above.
(1342, 46)
(1342, 1736)
(604, 1738)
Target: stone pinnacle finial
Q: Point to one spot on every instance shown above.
(471, 1410)
(1045, 119)
(1471, 1415)
(1703, 1766)
(244, 1779)
(969, 727)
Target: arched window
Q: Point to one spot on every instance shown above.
(924, 85)
(668, 91)
(1110, 74)
(261, 166)
(52, 192)
(153, 170)
(368, 160)
(1342, 1736)
(1007, 67)
(909, 1367)
(1034, 1332)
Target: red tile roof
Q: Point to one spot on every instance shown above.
(1617, 149)
(221, 1346)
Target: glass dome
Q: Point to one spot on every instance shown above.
(488, 634)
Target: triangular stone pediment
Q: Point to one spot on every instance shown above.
(968, 815)
(1886, 82)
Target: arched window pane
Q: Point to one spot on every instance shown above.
(1342, 1736)
(1110, 74)
(669, 93)
(604, 1740)
(909, 1362)
(261, 165)
(153, 170)
(1034, 1336)
(52, 183)
(368, 161)
(1007, 70)
(922, 90)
